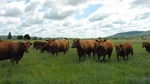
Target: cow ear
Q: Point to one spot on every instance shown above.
(105, 40)
(46, 40)
(78, 39)
(21, 45)
(97, 40)
(121, 45)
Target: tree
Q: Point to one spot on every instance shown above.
(20, 37)
(40, 38)
(35, 38)
(27, 37)
(0, 40)
(9, 36)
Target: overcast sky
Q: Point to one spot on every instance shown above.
(73, 18)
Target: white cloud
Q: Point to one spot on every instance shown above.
(56, 18)
(57, 15)
(141, 3)
(12, 12)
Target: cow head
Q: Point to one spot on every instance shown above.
(28, 44)
(99, 42)
(144, 44)
(23, 47)
(45, 47)
(50, 42)
(118, 48)
(76, 43)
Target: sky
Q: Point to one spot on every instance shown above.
(73, 18)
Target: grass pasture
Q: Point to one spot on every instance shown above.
(37, 68)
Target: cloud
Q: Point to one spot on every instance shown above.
(97, 17)
(31, 7)
(143, 16)
(76, 2)
(57, 15)
(108, 26)
(9, 20)
(13, 12)
(141, 3)
(73, 18)
(119, 22)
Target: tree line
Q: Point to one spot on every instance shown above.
(22, 37)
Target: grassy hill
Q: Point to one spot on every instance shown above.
(131, 34)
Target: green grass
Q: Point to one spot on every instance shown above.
(37, 68)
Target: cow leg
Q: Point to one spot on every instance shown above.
(124, 57)
(132, 54)
(56, 53)
(12, 61)
(64, 51)
(17, 61)
(79, 55)
(89, 55)
(79, 58)
(53, 53)
(104, 58)
(98, 58)
(127, 56)
(84, 55)
(94, 54)
(118, 57)
(109, 55)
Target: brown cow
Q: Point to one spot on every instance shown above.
(147, 46)
(84, 47)
(45, 47)
(56, 46)
(12, 50)
(103, 48)
(123, 50)
(38, 44)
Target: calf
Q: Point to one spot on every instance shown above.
(123, 50)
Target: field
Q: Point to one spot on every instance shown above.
(43, 68)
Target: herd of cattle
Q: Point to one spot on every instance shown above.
(15, 50)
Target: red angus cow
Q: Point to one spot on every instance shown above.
(38, 44)
(84, 47)
(123, 50)
(146, 45)
(58, 46)
(104, 48)
(12, 50)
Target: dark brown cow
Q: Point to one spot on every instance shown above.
(12, 50)
(104, 48)
(45, 47)
(146, 45)
(56, 46)
(38, 44)
(123, 50)
(84, 47)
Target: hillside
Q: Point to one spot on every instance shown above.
(131, 34)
